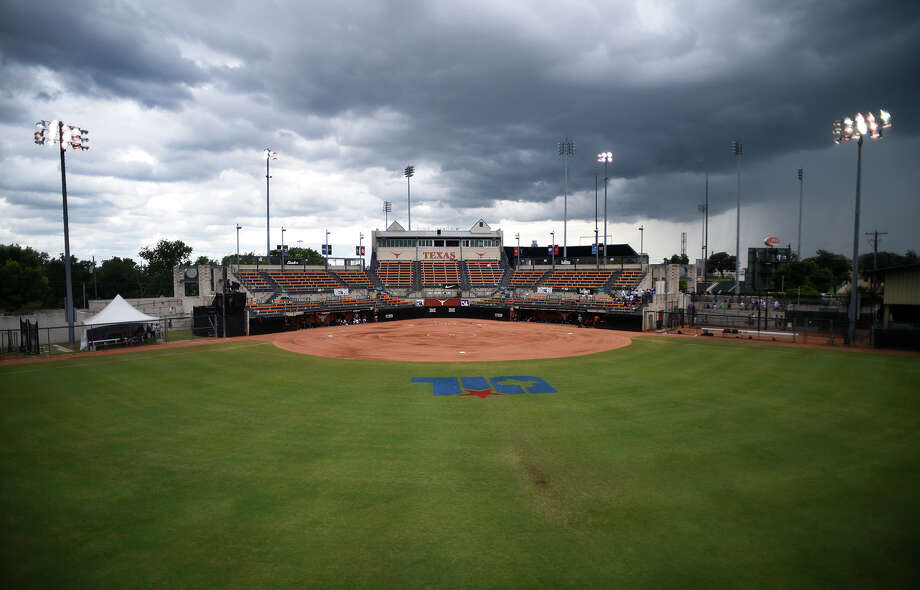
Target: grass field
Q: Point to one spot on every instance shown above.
(668, 463)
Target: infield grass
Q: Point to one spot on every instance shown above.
(668, 463)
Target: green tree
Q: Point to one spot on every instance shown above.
(678, 259)
(305, 255)
(720, 262)
(245, 258)
(160, 262)
(23, 283)
(120, 276)
(21, 286)
(837, 265)
(204, 261)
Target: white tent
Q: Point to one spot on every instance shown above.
(118, 311)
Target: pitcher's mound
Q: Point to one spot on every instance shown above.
(439, 340)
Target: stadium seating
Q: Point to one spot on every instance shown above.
(526, 278)
(254, 281)
(355, 278)
(304, 280)
(440, 273)
(484, 273)
(395, 274)
(578, 279)
(627, 279)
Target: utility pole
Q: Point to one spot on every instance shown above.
(875, 234)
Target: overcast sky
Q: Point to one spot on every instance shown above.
(181, 99)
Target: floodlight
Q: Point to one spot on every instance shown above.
(838, 131)
(872, 124)
(885, 117)
(861, 126)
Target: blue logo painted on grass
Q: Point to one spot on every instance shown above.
(482, 387)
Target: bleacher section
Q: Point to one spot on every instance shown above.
(578, 279)
(281, 306)
(395, 274)
(254, 281)
(304, 280)
(355, 278)
(484, 273)
(526, 278)
(627, 279)
(436, 274)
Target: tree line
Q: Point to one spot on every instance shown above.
(30, 279)
(825, 272)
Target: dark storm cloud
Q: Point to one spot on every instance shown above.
(477, 96)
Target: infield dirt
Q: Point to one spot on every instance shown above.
(439, 340)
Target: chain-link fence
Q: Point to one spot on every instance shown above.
(34, 340)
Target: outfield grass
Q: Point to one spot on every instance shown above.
(669, 463)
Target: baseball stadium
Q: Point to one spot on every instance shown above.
(458, 412)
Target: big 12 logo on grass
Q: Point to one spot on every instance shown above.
(483, 387)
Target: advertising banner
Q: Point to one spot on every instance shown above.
(448, 302)
(340, 292)
(544, 290)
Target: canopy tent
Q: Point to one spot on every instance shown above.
(119, 319)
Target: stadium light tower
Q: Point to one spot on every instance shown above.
(738, 150)
(238, 228)
(517, 237)
(845, 130)
(641, 229)
(387, 209)
(801, 176)
(51, 133)
(597, 246)
(409, 172)
(327, 250)
(269, 156)
(566, 149)
(282, 247)
(605, 157)
(552, 247)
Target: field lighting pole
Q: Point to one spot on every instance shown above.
(269, 156)
(566, 149)
(738, 150)
(517, 237)
(238, 228)
(552, 247)
(597, 246)
(409, 172)
(801, 175)
(849, 129)
(704, 209)
(361, 248)
(64, 136)
(282, 247)
(605, 157)
(327, 250)
(387, 208)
